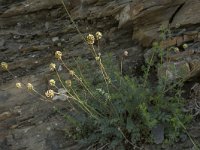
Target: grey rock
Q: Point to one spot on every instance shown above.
(174, 70)
(183, 137)
(158, 134)
(46, 25)
(55, 39)
(61, 96)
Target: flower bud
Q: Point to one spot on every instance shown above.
(71, 72)
(126, 53)
(97, 58)
(185, 46)
(30, 87)
(176, 49)
(98, 35)
(68, 83)
(19, 85)
(52, 82)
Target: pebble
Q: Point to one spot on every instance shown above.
(55, 39)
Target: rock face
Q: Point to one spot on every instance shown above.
(182, 65)
(31, 30)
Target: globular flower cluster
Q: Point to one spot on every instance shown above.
(90, 39)
(98, 35)
(19, 85)
(30, 87)
(52, 82)
(52, 67)
(50, 94)
(97, 58)
(4, 66)
(185, 46)
(71, 72)
(58, 55)
(125, 53)
(68, 83)
(176, 49)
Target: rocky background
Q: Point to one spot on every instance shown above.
(31, 31)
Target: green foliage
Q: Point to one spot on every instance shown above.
(127, 108)
(165, 32)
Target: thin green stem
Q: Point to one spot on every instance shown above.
(193, 142)
(119, 129)
(63, 84)
(148, 69)
(43, 97)
(82, 83)
(67, 90)
(81, 74)
(87, 107)
(72, 20)
(121, 69)
(67, 98)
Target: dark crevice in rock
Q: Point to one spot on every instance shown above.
(149, 8)
(177, 10)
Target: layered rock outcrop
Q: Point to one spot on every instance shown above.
(31, 30)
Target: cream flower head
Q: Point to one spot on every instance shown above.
(71, 72)
(18, 85)
(97, 58)
(50, 93)
(30, 87)
(4, 66)
(98, 35)
(185, 46)
(58, 55)
(52, 82)
(90, 39)
(176, 49)
(52, 66)
(125, 53)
